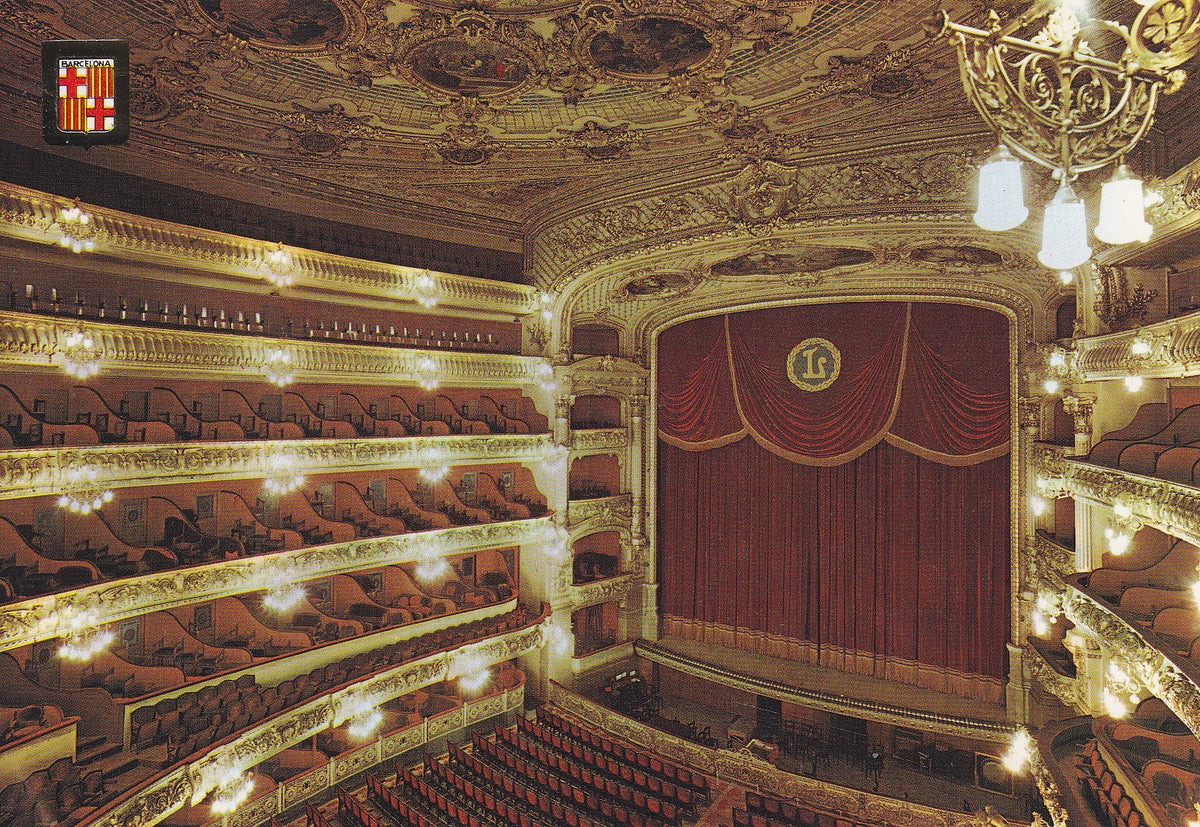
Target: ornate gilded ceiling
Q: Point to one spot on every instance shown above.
(491, 115)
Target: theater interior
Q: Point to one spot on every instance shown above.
(602, 412)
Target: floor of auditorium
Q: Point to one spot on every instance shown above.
(898, 779)
(831, 681)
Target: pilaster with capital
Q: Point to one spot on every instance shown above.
(638, 403)
(1080, 409)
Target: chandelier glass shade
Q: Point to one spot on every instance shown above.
(1064, 231)
(1001, 193)
(1055, 102)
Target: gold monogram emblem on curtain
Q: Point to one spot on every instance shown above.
(814, 364)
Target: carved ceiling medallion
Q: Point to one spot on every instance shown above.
(650, 46)
(784, 261)
(287, 24)
(483, 67)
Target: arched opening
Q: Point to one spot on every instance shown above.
(595, 476)
(595, 557)
(592, 412)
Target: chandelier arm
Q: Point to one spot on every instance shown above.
(1129, 144)
(1028, 46)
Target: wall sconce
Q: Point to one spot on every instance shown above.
(554, 461)
(232, 792)
(427, 374)
(1020, 751)
(84, 493)
(425, 290)
(473, 674)
(282, 477)
(431, 561)
(80, 358)
(366, 719)
(434, 467)
(76, 229)
(278, 367)
(279, 266)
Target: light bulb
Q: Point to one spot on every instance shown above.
(1058, 359)
(1139, 347)
(1001, 193)
(1066, 277)
(1020, 750)
(1041, 628)
(1122, 511)
(1052, 386)
(1115, 707)
(1038, 505)
(1064, 231)
(1134, 382)
(1122, 210)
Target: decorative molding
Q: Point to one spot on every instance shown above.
(613, 588)
(1170, 507)
(36, 342)
(37, 471)
(190, 783)
(1174, 351)
(617, 510)
(1048, 788)
(30, 215)
(1047, 564)
(38, 618)
(598, 440)
(1153, 669)
(871, 710)
(1067, 690)
(1179, 211)
(744, 769)
(602, 657)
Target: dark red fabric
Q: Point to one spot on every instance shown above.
(943, 374)
(889, 553)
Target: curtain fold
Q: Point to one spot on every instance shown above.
(873, 556)
(864, 526)
(932, 379)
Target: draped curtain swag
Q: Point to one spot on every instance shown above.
(864, 526)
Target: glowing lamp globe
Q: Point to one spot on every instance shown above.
(1064, 232)
(1123, 210)
(1001, 193)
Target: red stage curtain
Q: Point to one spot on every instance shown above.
(930, 378)
(868, 522)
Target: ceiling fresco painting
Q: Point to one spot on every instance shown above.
(458, 112)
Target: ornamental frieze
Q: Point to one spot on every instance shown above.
(744, 768)
(1147, 665)
(1067, 690)
(616, 511)
(189, 784)
(1170, 507)
(31, 472)
(1174, 347)
(614, 588)
(38, 618)
(164, 247)
(28, 341)
(1048, 788)
(597, 440)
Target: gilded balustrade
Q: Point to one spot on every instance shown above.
(190, 783)
(1174, 352)
(1171, 682)
(37, 471)
(1170, 507)
(601, 591)
(41, 618)
(616, 509)
(164, 248)
(870, 710)
(30, 342)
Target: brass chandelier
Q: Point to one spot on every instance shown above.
(1053, 101)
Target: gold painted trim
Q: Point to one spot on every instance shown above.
(237, 263)
(38, 618)
(601, 591)
(32, 342)
(617, 509)
(872, 710)
(1170, 507)
(39, 471)
(190, 783)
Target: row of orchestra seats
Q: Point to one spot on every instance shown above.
(549, 747)
(113, 412)
(237, 520)
(635, 758)
(1157, 443)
